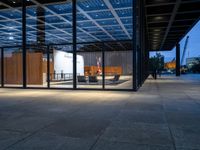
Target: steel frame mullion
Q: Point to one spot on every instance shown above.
(24, 43)
(48, 68)
(178, 59)
(74, 16)
(134, 45)
(2, 67)
(103, 66)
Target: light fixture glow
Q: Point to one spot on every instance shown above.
(11, 38)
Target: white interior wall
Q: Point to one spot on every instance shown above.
(63, 62)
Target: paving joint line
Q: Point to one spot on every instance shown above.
(165, 117)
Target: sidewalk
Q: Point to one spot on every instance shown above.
(163, 115)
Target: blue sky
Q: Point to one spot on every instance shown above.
(193, 49)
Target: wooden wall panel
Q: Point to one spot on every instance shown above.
(109, 70)
(34, 68)
(13, 69)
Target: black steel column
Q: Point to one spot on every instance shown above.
(134, 45)
(178, 60)
(40, 26)
(2, 67)
(24, 42)
(48, 67)
(140, 43)
(140, 66)
(74, 43)
(103, 65)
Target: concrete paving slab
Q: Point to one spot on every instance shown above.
(186, 137)
(144, 106)
(8, 137)
(26, 124)
(148, 117)
(77, 127)
(106, 145)
(140, 134)
(182, 119)
(40, 141)
(163, 115)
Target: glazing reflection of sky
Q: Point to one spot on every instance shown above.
(193, 49)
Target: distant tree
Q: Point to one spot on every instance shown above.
(196, 66)
(156, 62)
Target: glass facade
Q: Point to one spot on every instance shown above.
(61, 66)
(1, 67)
(89, 66)
(82, 44)
(119, 66)
(11, 38)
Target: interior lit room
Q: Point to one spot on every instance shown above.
(96, 54)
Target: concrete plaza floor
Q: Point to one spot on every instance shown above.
(163, 115)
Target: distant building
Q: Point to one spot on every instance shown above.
(191, 61)
(170, 65)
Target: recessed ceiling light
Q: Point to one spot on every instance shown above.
(11, 38)
(158, 18)
(157, 30)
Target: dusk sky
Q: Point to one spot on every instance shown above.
(193, 48)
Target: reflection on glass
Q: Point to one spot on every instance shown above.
(10, 24)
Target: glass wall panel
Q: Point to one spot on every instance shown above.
(118, 65)
(10, 23)
(92, 17)
(13, 67)
(109, 22)
(61, 66)
(11, 36)
(0, 67)
(89, 66)
(50, 24)
(49, 33)
(104, 20)
(36, 66)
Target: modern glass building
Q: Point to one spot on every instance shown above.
(87, 44)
